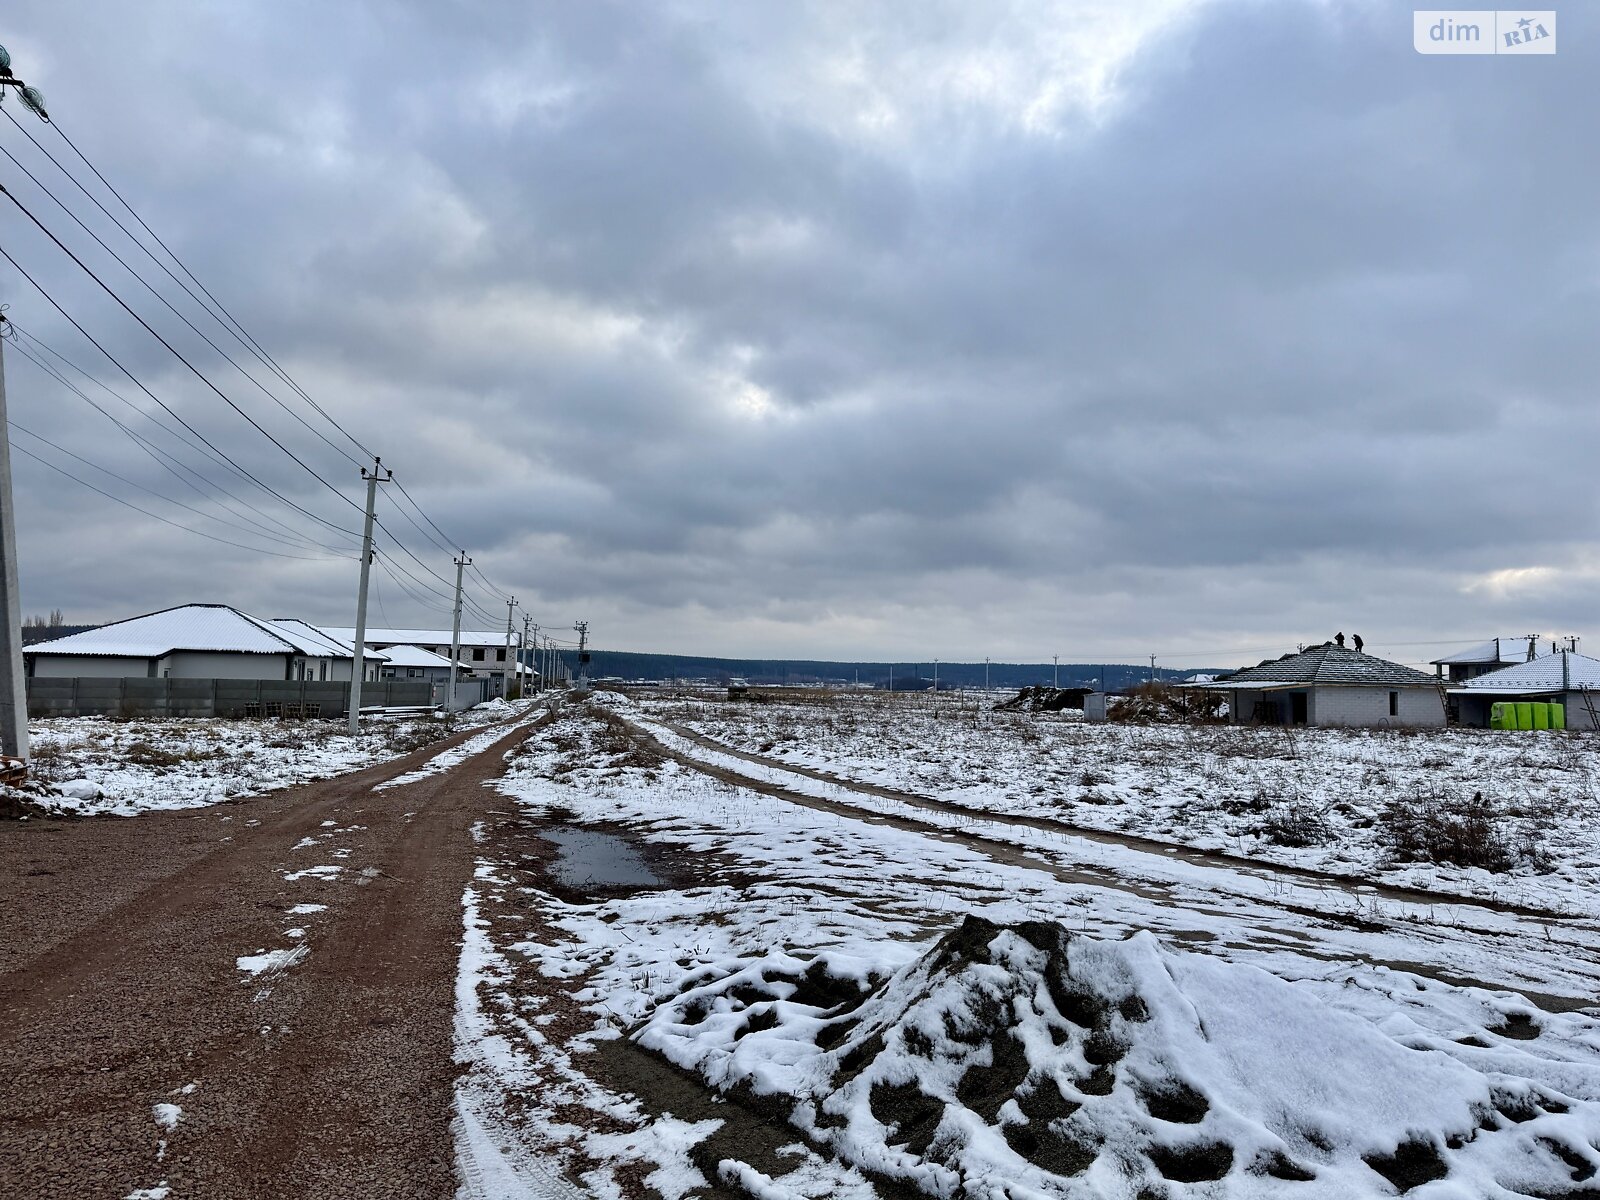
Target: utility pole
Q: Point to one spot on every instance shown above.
(538, 670)
(13, 688)
(14, 693)
(455, 635)
(582, 630)
(1152, 668)
(506, 678)
(358, 667)
(986, 676)
(522, 647)
(1055, 679)
(936, 681)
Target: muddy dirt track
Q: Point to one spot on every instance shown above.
(330, 1077)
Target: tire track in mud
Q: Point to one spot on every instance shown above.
(333, 1078)
(1009, 854)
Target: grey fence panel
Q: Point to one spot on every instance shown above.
(137, 696)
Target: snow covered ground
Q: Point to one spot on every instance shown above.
(98, 766)
(1318, 798)
(1158, 1030)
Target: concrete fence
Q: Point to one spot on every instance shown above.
(137, 697)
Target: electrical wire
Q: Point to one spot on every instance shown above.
(141, 487)
(164, 406)
(156, 516)
(315, 432)
(173, 350)
(175, 466)
(215, 309)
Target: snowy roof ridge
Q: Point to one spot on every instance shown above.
(1562, 671)
(203, 626)
(1330, 664)
(416, 637)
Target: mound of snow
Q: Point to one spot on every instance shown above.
(1024, 1061)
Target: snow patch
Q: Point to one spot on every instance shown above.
(270, 962)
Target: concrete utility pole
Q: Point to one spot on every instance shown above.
(986, 675)
(538, 671)
(1055, 678)
(358, 668)
(1152, 668)
(582, 629)
(522, 647)
(462, 564)
(14, 690)
(510, 604)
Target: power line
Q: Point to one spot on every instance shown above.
(198, 374)
(141, 487)
(157, 516)
(219, 312)
(171, 463)
(332, 445)
(165, 407)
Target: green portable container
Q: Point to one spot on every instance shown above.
(1541, 716)
(1502, 715)
(1524, 714)
(1558, 716)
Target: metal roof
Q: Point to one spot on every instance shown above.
(415, 656)
(1562, 671)
(1501, 650)
(205, 627)
(1323, 666)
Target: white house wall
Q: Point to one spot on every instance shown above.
(88, 666)
(1367, 707)
(196, 664)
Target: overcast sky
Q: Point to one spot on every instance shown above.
(838, 329)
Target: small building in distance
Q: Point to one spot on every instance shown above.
(413, 662)
(484, 652)
(1329, 685)
(198, 641)
(1481, 659)
(1563, 677)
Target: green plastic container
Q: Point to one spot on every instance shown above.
(1524, 714)
(1558, 716)
(1541, 716)
(1502, 715)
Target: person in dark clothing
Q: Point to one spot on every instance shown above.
(1356, 638)
(1338, 640)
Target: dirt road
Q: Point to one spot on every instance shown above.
(321, 1065)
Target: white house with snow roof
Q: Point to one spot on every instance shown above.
(485, 653)
(1330, 685)
(413, 662)
(198, 641)
(1563, 677)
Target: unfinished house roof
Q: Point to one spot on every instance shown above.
(1565, 670)
(1500, 650)
(313, 642)
(1325, 666)
(205, 627)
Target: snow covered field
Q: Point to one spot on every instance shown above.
(98, 766)
(1327, 799)
(883, 1005)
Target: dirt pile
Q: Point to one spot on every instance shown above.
(1044, 699)
(1012, 1060)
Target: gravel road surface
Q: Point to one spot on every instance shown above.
(250, 1000)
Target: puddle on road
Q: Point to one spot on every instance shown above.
(586, 858)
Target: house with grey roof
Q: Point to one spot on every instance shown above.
(1483, 658)
(1332, 686)
(199, 641)
(1562, 677)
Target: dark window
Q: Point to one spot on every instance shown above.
(1394, 704)
(477, 654)
(500, 655)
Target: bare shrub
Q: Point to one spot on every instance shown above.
(1293, 823)
(1444, 828)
